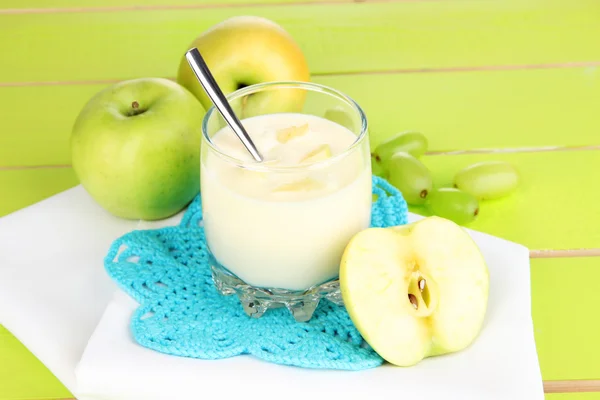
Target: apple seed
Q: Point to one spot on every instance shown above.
(413, 300)
(421, 284)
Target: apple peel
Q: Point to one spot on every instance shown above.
(415, 291)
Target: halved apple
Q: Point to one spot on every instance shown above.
(415, 291)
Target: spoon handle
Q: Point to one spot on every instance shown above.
(218, 98)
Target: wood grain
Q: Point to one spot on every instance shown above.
(458, 112)
(361, 37)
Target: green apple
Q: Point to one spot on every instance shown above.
(415, 291)
(135, 148)
(247, 50)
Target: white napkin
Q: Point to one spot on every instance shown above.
(54, 292)
(53, 288)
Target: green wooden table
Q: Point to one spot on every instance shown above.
(508, 80)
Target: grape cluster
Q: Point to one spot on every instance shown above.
(397, 159)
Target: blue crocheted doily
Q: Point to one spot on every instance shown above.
(181, 313)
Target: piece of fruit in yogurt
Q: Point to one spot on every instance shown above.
(321, 153)
(286, 134)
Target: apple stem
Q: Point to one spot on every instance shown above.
(135, 109)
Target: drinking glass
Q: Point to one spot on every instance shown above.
(276, 234)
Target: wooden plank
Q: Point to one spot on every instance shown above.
(483, 109)
(564, 306)
(487, 109)
(56, 6)
(37, 123)
(21, 188)
(23, 376)
(375, 37)
(554, 207)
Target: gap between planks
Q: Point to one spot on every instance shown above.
(572, 386)
(564, 253)
(513, 67)
(542, 149)
(158, 7)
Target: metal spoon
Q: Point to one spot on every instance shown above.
(215, 94)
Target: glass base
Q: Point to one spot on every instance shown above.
(257, 300)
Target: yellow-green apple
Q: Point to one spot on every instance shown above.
(135, 148)
(415, 291)
(243, 51)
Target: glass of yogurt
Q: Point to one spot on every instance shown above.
(276, 230)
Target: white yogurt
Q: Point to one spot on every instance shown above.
(285, 226)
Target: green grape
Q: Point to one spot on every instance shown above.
(487, 180)
(377, 168)
(414, 143)
(410, 176)
(339, 116)
(453, 204)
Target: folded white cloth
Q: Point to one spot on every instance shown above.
(56, 298)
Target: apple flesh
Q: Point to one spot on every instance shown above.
(247, 50)
(415, 291)
(135, 147)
